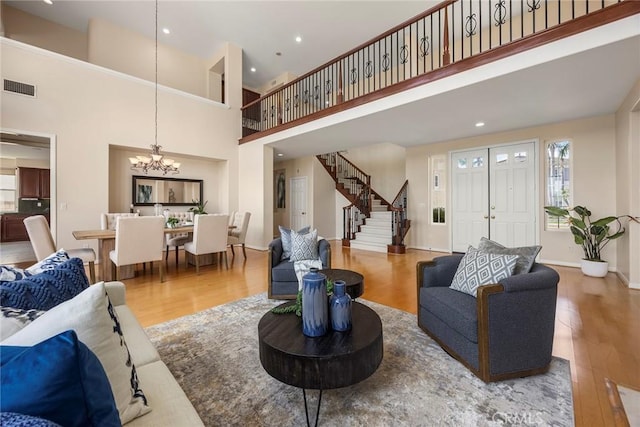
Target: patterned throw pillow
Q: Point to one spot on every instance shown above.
(479, 268)
(47, 289)
(93, 318)
(526, 254)
(22, 420)
(49, 263)
(285, 237)
(13, 319)
(304, 246)
(9, 273)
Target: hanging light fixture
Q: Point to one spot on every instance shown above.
(155, 161)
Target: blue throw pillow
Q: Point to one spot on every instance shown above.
(12, 419)
(47, 289)
(9, 273)
(49, 263)
(59, 380)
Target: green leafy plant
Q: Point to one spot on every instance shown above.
(198, 209)
(297, 307)
(591, 235)
(172, 221)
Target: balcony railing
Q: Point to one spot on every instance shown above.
(450, 37)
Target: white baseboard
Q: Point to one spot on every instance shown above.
(446, 251)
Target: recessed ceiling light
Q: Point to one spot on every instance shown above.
(298, 39)
(479, 124)
(48, 1)
(166, 31)
(253, 69)
(280, 154)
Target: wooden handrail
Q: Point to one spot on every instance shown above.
(404, 76)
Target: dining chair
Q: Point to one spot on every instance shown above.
(177, 239)
(108, 220)
(238, 231)
(43, 244)
(209, 237)
(138, 240)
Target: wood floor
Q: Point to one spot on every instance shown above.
(597, 322)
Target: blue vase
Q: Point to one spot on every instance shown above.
(340, 307)
(315, 313)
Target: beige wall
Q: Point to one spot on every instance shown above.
(276, 82)
(256, 186)
(385, 163)
(89, 108)
(123, 50)
(628, 185)
(211, 171)
(323, 189)
(23, 163)
(39, 32)
(593, 153)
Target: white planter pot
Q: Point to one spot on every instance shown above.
(594, 268)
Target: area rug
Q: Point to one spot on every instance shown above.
(214, 356)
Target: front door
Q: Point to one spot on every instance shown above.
(494, 196)
(299, 215)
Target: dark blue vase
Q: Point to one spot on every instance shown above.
(340, 307)
(315, 313)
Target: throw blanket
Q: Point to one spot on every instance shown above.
(302, 267)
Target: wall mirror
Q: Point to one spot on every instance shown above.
(147, 191)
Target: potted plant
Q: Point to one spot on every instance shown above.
(592, 236)
(172, 222)
(198, 209)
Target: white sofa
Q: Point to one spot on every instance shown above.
(169, 405)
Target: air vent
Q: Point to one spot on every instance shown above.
(21, 88)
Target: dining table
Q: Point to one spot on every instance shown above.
(107, 243)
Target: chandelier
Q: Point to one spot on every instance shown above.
(155, 161)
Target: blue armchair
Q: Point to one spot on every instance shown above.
(282, 280)
(506, 332)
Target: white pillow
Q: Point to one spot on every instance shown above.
(14, 319)
(479, 268)
(304, 246)
(92, 316)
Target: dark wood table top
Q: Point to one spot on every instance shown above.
(337, 359)
(354, 281)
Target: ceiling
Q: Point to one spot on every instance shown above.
(261, 28)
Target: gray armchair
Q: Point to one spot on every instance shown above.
(506, 332)
(282, 280)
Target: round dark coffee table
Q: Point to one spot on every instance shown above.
(337, 359)
(354, 281)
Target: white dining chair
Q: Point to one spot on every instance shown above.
(177, 239)
(138, 240)
(108, 220)
(209, 237)
(238, 231)
(43, 244)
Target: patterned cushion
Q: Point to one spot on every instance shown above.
(58, 379)
(526, 254)
(49, 263)
(9, 273)
(93, 318)
(304, 246)
(285, 236)
(479, 268)
(47, 289)
(13, 319)
(12, 419)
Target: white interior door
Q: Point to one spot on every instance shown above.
(469, 198)
(493, 195)
(298, 190)
(512, 209)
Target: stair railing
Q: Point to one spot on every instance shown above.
(469, 33)
(399, 222)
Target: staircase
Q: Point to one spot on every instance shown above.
(369, 222)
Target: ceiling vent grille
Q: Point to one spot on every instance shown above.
(20, 88)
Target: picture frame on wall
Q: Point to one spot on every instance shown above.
(279, 191)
